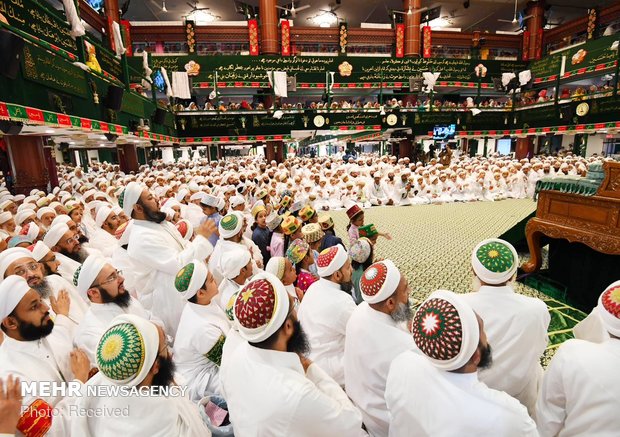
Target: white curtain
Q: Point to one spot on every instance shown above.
(180, 85)
(277, 79)
(77, 28)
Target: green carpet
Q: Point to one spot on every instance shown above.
(432, 245)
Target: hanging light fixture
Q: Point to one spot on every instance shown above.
(409, 12)
(202, 16)
(163, 6)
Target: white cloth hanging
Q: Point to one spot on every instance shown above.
(507, 77)
(277, 79)
(145, 66)
(118, 39)
(524, 77)
(429, 80)
(77, 28)
(180, 85)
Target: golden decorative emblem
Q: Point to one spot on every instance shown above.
(345, 69)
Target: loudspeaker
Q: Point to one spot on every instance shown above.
(160, 116)
(497, 84)
(111, 137)
(114, 100)
(11, 127)
(415, 84)
(11, 50)
(291, 83)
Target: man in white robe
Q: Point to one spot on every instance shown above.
(202, 332)
(159, 252)
(374, 338)
(581, 389)
(142, 361)
(237, 268)
(230, 228)
(37, 349)
(104, 287)
(376, 192)
(326, 309)
(437, 392)
(103, 238)
(21, 262)
(270, 385)
(515, 325)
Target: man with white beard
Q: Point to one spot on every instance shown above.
(21, 262)
(374, 337)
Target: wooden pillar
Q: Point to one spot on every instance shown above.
(50, 163)
(535, 26)
(405, 149)
(524, 147)
(275, 151)
(128, 158)
(268, 15)
(412, 27)
(27, 163)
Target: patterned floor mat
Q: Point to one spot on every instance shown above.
(432, 245)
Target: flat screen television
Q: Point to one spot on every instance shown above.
(96, 4)
(158, 81)
(444, 131)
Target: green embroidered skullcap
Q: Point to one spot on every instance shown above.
(127, 350)
(191, 278)
(494, 261)
(231, 224)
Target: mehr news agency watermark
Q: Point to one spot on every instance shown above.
(75, 389)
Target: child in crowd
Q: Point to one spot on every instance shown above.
(300, 255)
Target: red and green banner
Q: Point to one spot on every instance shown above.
(285, 28)
(400, 40)
(427, 43)
(10, 111)
(253, 34)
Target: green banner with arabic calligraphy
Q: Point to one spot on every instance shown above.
(594, 53)
(107, 61)
(40, 66)
(40, 20)
(313, 69)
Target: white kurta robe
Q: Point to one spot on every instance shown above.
(581, 391)
(425, 401)
(516, 328)
(97, 320)
(373, 340)
(153, 416)
(67, 266)
(103, 242)
(198, 348)
(159, 253)
(78, 306)
(268, 394)
(42, 360)
(324, 313)
(214, 261)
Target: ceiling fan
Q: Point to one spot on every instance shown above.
(516, 20)
(195, 7)
(333, 7)
(291, 9)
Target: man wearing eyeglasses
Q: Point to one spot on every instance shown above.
(21, 262)
(103, 286)
(159, 252)
(65, 244)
